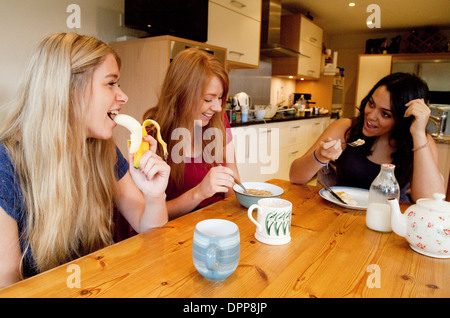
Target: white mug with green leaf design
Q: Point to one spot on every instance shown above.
(273, 223)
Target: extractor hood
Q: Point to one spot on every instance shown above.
(270, 31)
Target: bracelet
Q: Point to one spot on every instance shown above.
(318, 161)
(421, 147)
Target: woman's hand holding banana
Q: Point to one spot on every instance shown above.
(137, 145)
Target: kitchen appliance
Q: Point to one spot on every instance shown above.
(270, 31)
(185, 19)
(243, 100)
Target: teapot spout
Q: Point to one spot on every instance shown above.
(398, 220)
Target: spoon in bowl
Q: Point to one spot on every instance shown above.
(241, 185)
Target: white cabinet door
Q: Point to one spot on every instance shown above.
(266, 151)
(310, 32)
(249, 8)
(287, 156)
(309, 66)
(238, 33)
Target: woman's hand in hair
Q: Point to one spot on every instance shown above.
(421, 113)
(153, 173)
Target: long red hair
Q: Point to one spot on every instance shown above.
(180, 99)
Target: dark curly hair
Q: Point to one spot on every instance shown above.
(403, 87)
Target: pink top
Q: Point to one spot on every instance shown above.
(194, 172)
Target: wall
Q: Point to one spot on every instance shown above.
(321, 91)
(23, 24)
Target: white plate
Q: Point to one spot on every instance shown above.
(361, 196)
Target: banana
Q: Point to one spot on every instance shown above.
(135, 129)
(137, 146)
(158, 135)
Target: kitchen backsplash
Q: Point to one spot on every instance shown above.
(260, 85)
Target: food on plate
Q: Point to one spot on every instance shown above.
(137, 146)
(346, 197)
(259, 192)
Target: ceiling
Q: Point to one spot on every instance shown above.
(336, 17)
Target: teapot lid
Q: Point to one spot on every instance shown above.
(437, 203)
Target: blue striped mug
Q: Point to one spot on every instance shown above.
(216, 248)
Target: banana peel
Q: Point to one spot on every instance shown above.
(158, 135)
(136, 144)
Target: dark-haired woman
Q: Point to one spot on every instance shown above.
(392, 122)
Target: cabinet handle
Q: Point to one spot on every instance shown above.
(293, 152)
(311, 71)
(313, 40)
(296, 127)
(238, 4)
(268, 131)
(236, 52)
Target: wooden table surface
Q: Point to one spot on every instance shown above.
(332, 254)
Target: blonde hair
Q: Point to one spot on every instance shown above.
(67, 180)
(180, 99)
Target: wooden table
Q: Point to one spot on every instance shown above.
(332, 254)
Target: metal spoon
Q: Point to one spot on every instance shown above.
(240, 184)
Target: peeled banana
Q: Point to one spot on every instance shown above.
(137, 145)
(135, 129)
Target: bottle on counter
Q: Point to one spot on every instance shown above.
(383, 187)
(301, 106)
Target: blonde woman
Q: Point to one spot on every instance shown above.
(191, 113)
(60, 172)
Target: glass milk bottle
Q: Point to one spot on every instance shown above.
(385, 186)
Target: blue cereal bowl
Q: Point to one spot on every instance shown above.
(247, 200)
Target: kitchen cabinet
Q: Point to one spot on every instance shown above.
(266, 151)
(236, 25)
(144, 65)
(300, 34)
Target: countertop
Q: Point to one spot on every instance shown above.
(275, 119)
(442, 139)
(280, 118)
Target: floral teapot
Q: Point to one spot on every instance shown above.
(425, 225)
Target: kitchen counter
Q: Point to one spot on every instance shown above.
(442, 140)
(275, 119)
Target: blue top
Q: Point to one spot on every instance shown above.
(11, 200)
